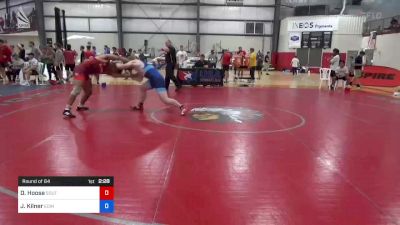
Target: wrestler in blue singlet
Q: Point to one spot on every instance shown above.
(155, 78)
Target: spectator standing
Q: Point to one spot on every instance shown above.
(106, 50)
(252, 63)
(142, 57)
(182, 56)
(21, 51)
(5, 59)
(13, 51)
(94, 50)
(70, 58)
(58, 62)
(358, 68)
(37, 54)
(295, 64)
(89, 53)
(82, 55)
(242, 54)
(226, 61)
(114, 51)
(334, 62)
(129, 54)
(260, 59)
(48, 59)
(212, 59)
(267, 61)
(170, 59)
(121, 52)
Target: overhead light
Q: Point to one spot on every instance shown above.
(77, 37)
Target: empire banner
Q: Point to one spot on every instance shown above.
(19, 19)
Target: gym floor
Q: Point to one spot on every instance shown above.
(294, 155)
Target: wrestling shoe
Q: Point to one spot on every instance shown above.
(67, 114)
(82, 108)
(139, 107)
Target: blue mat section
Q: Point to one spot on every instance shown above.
(8, 90)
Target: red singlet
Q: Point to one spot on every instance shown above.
(89, 67)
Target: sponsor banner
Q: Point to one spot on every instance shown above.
(295, 40)
(201, 76)
(19, 19)
(372, 40)
(313, 24)
(380, 76)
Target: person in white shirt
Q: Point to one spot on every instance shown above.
(334, 62)
(212, 59)
(295, 64)
(341, 73)
(32, 69)
(182, 56)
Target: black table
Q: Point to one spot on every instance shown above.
(201, 76)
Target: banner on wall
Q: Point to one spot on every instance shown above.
(313, 24)
(372, 40)
(380, 76)
(295, 40)
(19, 19)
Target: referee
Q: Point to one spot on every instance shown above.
(170, 59)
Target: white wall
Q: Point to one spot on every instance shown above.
(157, 41)
(207, 42)
(159, 11)
(97, 25)
(100, 39)
(229, 27)
(147, 25)
(387, 52)
(246, 2)
(135, 41)
(347, 37)
(81, 9)
(231, 12)
(15, 39)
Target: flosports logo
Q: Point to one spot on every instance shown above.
(225, 114)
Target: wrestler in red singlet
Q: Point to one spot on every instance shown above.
(89, 67)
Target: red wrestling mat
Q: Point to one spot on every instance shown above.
(242, 156)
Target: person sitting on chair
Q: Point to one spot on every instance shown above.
(15, 68)
(341, 73)
(201, 63)
(32, 69)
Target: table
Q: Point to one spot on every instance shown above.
(201, 76)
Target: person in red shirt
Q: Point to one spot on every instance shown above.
(5, 59)
(89, 53)
(242, 54)
(70, 58)
(92, 66)
(225, 62)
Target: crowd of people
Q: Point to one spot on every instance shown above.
(15, 60)
(240, 61)
(339, 71)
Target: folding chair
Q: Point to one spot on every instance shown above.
(325, 76)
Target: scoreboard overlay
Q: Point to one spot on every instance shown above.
(66, 194)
